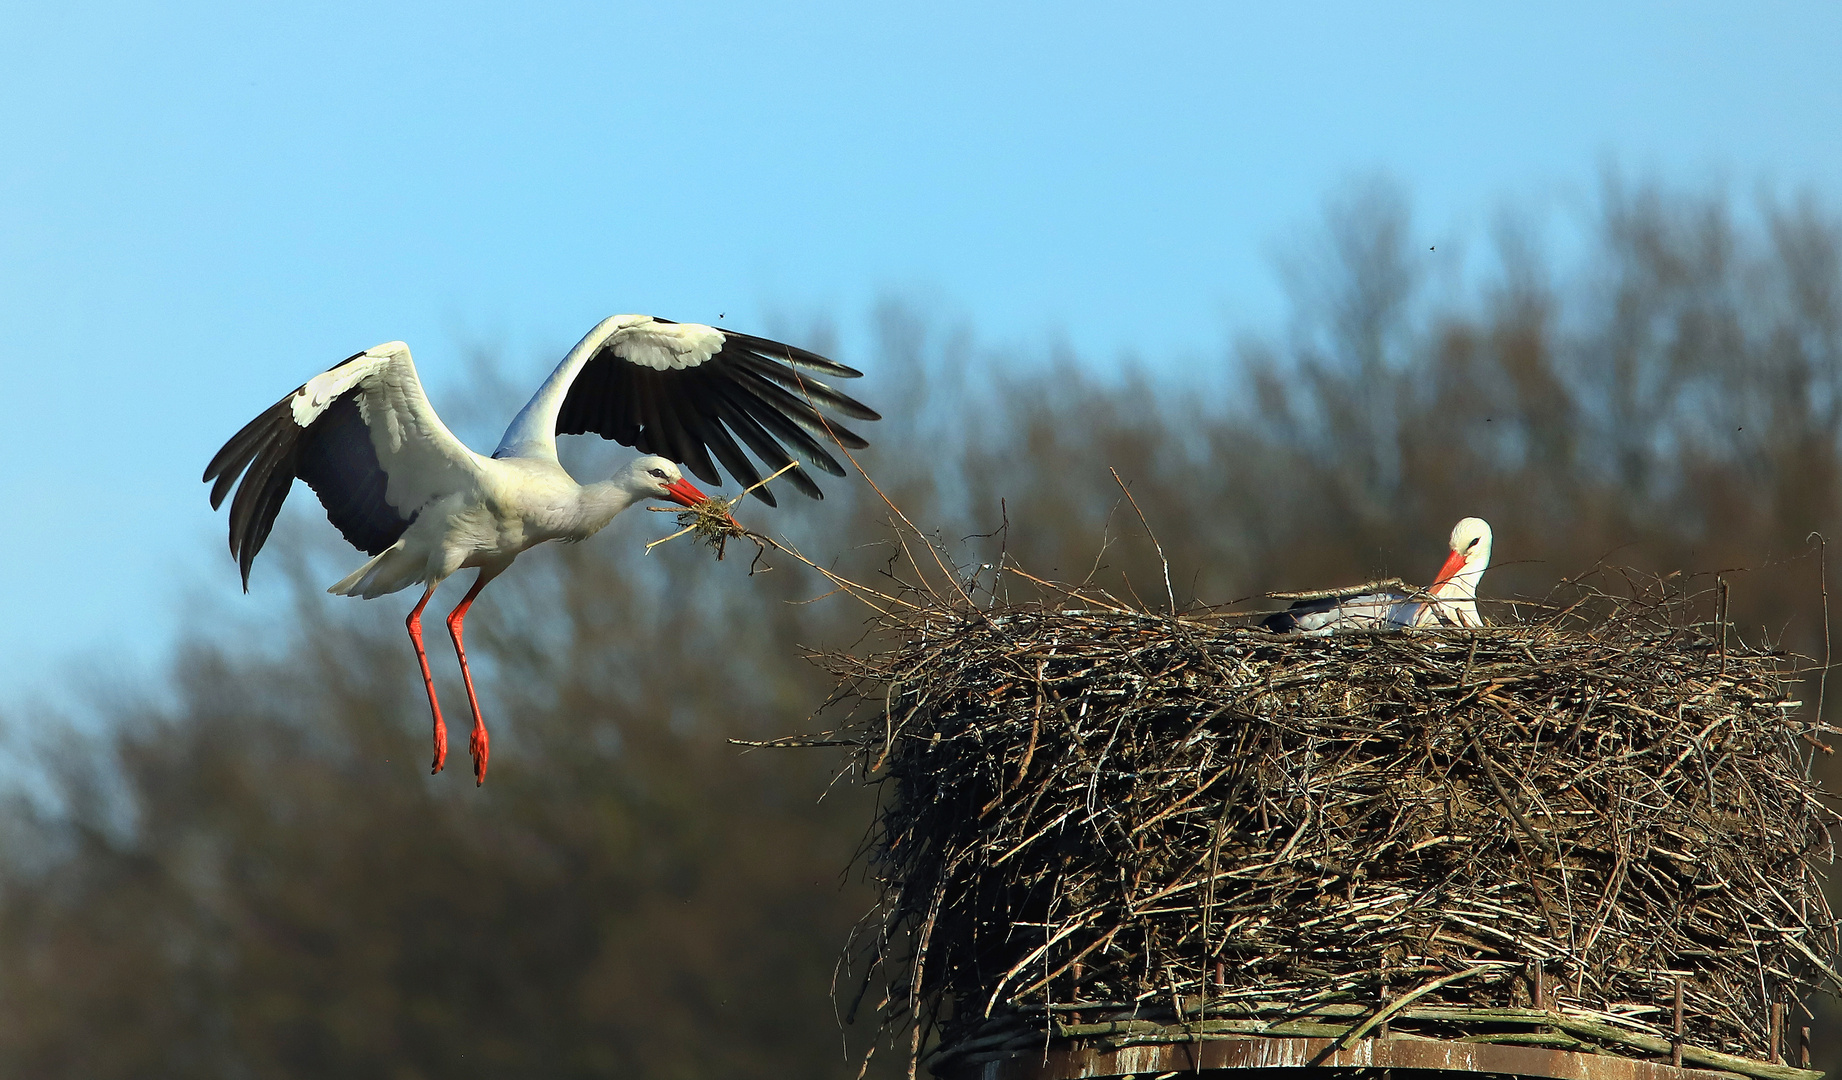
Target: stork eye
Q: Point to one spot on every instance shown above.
(660, 473)
(1472, 544)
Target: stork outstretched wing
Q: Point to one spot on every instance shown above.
(697, 395)
(366, 440)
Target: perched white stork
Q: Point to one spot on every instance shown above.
(1454, 591)
(1450, 601)
(401, 488)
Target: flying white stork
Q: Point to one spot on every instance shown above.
(1450, 601)
(401, 488)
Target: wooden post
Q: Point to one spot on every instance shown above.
(1777, 1032)
(1803, 1048)
(1675, 1048)
(1538, 986)
(1384, 995)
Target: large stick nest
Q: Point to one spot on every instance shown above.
(1097, 822)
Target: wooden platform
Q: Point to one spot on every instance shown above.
(1423, 1058)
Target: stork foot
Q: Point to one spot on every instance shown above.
(481, 746)
(441, 747)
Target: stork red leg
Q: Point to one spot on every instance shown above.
(478, 743)
(414, 622)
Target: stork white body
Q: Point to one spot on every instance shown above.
(499, 508)
(1450, 601)
(402, 488)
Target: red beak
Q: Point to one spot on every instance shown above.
(684, 493)
(1453, 564)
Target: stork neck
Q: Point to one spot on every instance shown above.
(599, 503)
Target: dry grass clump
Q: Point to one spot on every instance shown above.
(710, 521)
(1103, 823)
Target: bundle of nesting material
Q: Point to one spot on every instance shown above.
(710, 521)
(1110, 825)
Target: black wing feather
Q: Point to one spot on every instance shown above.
(258, 500)
(802, 386)
(248, 530)
(794, 355)
(236, 456)
(333, 454)
(624, 399)
(655, 437)
(761, 409)
(686, 447)
(747, 394)
(1284, 622)
(771, 453)
(705, 433)
(723, 445)
(775, 400)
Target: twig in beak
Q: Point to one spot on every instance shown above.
(711, 518)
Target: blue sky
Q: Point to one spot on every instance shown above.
(201, 205)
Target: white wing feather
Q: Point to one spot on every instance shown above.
(422, 458)
(666, 346)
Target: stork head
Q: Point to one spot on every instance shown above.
(654, 477)
(1470, 555)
